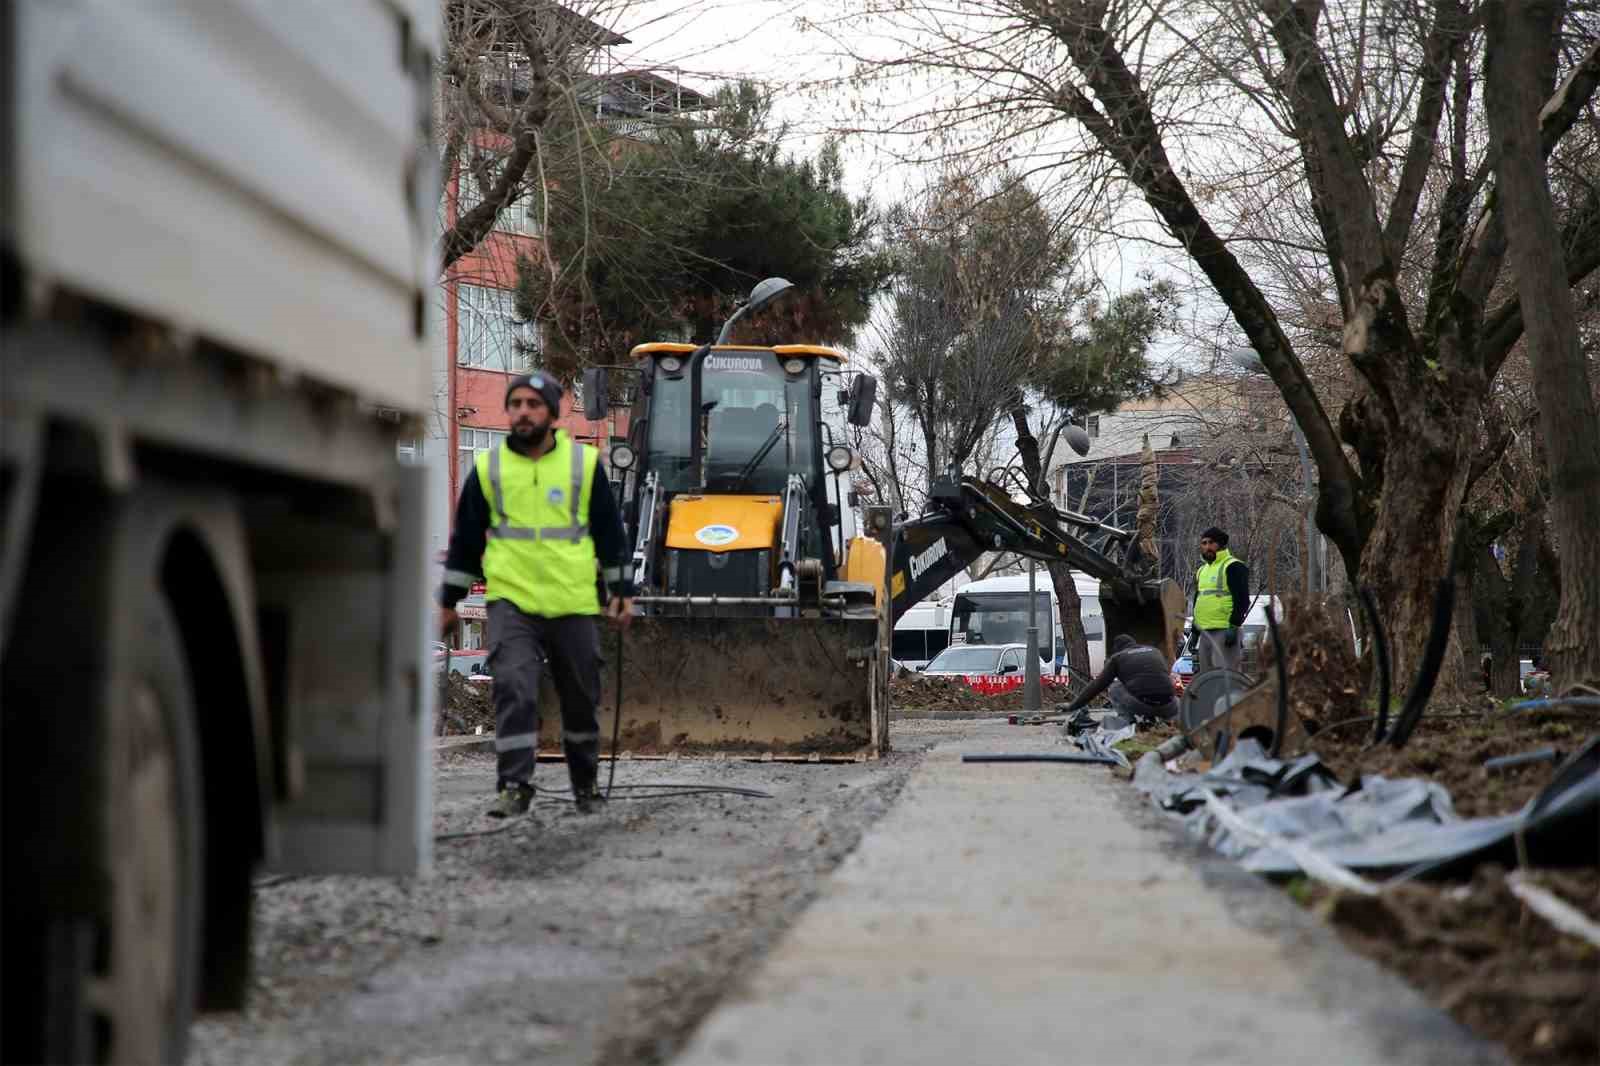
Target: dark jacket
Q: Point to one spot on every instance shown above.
(1142, 670)
(464, 562)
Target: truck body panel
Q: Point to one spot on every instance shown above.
(250, 172)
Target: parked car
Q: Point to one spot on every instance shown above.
(981, 660)
(1182, 672)
(464, 662)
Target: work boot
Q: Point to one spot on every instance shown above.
(588, 798)
(514, 800)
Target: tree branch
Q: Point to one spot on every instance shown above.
(1129, 133)
(472, 227)
(1487, 248)
(1503, 327)
(1448, 20)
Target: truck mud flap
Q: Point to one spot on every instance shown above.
(781, 688)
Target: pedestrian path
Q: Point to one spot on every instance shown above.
(1037, 913)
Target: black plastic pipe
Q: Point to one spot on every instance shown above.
(1380, 645)
(1029, 756)
(1444, 606)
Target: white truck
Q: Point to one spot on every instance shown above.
(217, 223)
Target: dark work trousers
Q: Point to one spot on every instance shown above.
(520, 647)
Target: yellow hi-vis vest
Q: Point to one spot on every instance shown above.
(1213, 604)
(540, 555)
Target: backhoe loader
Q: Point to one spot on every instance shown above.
(764, 612)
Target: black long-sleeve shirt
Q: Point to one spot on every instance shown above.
(464, 561)
(1141, 669)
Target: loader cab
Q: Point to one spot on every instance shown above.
(734, 480)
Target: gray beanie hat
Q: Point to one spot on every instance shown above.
(548, 388)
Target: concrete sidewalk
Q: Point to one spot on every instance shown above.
(1038, 913)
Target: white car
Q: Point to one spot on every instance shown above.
(981, 660)
(464, 662)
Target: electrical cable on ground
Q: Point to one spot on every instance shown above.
(664, 790)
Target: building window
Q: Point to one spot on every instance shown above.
(470, 443)
(408, 452)
(1090, 424)
(522, 215)
(489, 334)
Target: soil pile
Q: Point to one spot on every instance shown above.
(1324, 678)
(1450, 747)
(463, 706)
(951, 696)
(1473, 948)
(1480, 954)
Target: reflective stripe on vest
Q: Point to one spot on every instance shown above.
(573, 531)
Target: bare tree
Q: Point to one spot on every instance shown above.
(1520, 40)
(1365, 120)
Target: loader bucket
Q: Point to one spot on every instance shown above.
(798, 688)
(1151, 612)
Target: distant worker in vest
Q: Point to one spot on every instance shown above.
(537, 519)
(1222, 597)
(1138, 679)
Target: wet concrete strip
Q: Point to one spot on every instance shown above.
(1031, 913)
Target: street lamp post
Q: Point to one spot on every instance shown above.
(1249, 359)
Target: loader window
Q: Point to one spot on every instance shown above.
(756, 420)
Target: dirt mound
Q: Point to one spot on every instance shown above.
(1324, 678)
(951, 695)
(1478, 953)
(464, 706)
(1450, 747)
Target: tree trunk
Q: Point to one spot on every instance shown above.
(1072, 633)
(1518, 46)
(1465, 629)
(1408, 550)
(1496, 603)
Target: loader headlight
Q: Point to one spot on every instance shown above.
(794, 367)
(622, 457)
(670, 364)
(840, 457)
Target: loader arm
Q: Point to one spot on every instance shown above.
(966, 518)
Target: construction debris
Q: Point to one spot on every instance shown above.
(464, 707)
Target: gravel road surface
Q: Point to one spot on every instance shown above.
(567, 939)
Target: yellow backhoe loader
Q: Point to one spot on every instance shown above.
(764, 611)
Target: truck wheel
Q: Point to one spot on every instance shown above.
(138, 989)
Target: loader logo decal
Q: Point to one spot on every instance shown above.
(716, 535)
(921, 562)
(745, 363)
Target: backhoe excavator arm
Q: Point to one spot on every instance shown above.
(966, 518)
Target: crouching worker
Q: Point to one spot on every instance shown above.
(537, 518)
(1137, 679)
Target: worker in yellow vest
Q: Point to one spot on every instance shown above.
(537, 519)
(1222, 597)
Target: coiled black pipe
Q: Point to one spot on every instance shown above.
(1283, 683)
(1380, 644)
(1444, 606)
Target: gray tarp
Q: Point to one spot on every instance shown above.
(1407, 827)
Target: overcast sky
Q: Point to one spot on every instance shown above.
(710, 41)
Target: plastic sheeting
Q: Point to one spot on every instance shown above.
(1406, 827)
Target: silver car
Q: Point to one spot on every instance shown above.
(981, 660)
